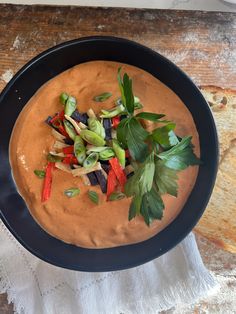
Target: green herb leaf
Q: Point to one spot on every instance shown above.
(102, 97)
(149, 116)
(52, 158)
(122, 132)
(165, 136)
(166, 179)
(116, 196)
(72, 192)
(40, 173)
(135, 136)
(135, 206)
(127, 96)
(93, 196)
(70, 105)
(180, 156)
(152, 206)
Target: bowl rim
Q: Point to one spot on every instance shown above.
(200, 211)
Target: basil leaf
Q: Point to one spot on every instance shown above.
(135, 205)
(102, 97)
(165, 136)
(149, 116)
(40, 173)
(152, 206)
(166, 179)
(122, 132)
(72, 192)
(127, 96)
(93, 196)
(180, 156)
(135, 136)
(116, 196)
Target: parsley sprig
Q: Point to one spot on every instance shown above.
(160, 155)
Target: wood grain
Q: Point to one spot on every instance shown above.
(202, 43)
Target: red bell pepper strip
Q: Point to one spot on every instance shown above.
(58, 116)
(68, 149)
(63, 131)
(111, 182)
(47, 184)
(115, 122)
(70, 159)
(116, 166)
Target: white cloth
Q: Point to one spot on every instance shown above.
(36, 287)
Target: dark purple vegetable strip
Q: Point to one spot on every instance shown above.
(130, 175)
(92, 178)
(80, 117)
(107, 126)
(101, 180)
(48, 122)
(105, 166)
(68, 141)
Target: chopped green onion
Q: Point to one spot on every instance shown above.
(52, 158)
(79, 149)
(70, 129)
(70, 106)
(90, 161)
(39, 173)
(92, 138)
(63, 98)
(95, 149)
(102, 97)
(97, 127)
(72, 192)
(106, 154)
(112, 112)
(93, 196)
(116, 196)
(120, 152)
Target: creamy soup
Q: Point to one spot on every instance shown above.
(77, 220)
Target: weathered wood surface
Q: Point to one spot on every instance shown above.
(202, 43)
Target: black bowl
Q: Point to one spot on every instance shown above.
(25, 83)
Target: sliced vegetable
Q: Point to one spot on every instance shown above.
(112, 112)
(91, 160)
(72, 192)
(93, 196)
(63, 167)
(63, 98)
(105, 167)
(82, 125)
(96, 149)
(106, 154)
(79, 149)
(70, 105)
(111, 182)
(58, 116)
(91, 113)
(115, 122)
(70, 160)
(68, 149)
(53, 158)
(118, 171)
(92, 178)
(47, 184)
(74, 123)
(81, 171)
(68, 141)
(102, 97)
(96, 127)
(107, 126)
(116, 196)
(80, 117)
(92, 138)
(58, 135)
(39, 173)
(120, 152)
(101, 180)
(59, 145)
(70, 129)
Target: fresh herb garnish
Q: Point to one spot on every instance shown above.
(72, 192)
(40, 173)
(160, 154)
(116, 196)
(93, 196)
(102, 97)
(52, 158)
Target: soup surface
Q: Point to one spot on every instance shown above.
(77, 220)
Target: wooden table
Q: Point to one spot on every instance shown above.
(202, 43)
